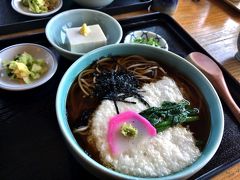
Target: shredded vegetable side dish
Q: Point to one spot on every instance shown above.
(39, 6)
(25, 68)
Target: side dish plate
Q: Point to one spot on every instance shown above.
(18, 7)
(37, 51)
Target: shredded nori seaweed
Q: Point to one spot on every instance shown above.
(117, 86)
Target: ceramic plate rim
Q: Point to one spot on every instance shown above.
(41, 81)
(16, 4)
(146, 31)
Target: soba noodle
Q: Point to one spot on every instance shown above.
(143, 69)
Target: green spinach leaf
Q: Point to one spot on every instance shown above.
(170, 114)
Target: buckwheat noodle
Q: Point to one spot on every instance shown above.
(143, 69)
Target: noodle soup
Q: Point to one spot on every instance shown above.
(138, 117)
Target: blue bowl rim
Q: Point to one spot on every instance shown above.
(208, 152)
(52, 42)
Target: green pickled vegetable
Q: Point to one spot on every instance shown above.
(25, 67)
(150, 41)
(39, 6)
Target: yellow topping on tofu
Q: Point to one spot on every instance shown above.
(84, 30)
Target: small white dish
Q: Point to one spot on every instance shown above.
(38, 52)
(131, 37)
(17, 6)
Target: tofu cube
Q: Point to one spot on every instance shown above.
(83, 44)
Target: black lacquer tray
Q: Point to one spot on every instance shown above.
(31, 144)
(11, 21)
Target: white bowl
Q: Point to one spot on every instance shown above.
(131, 37)
(18, 7)
(93, 3)
(38, 52)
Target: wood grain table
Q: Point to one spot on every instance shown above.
(215, 26)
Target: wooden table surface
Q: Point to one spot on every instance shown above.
(213, 24)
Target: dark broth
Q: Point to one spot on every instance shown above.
(79, 108)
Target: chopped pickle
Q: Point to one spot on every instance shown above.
(39, 6)
(25, 67)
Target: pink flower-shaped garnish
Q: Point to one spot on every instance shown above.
(119, 143)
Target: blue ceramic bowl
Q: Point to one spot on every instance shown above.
(56, 28)
(165, 57)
